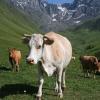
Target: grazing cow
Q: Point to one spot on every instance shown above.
(14, 58)
(90, 64)
(53, 53)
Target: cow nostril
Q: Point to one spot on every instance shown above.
(30, 61)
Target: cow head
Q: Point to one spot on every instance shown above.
(98, 66)
(11, 51)
(36, 44)
(95, 61)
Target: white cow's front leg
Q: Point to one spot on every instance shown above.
(59, 78)
(39, 94)
(41, 81)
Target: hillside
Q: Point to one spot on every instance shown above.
(88, 37)
(13, 24)
(85, 39)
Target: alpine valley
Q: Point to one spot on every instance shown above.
(58, 16)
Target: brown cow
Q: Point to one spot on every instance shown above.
(14, 58)
(90, 64)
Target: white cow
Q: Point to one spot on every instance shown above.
(53, 53)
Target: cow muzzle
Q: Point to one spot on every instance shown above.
(30, 61)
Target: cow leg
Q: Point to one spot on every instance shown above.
(41, 81)
(59, 78)
(85, 73)
(88, 74)
(94, 72)
(94, 76)
(63, 80)
(17, 67)
(56, 86)
(39, 94)
(12, 64)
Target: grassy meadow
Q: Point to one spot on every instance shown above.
(85, 39)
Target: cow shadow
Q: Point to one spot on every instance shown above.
(13, 89)
(98, 73)
(4, 68)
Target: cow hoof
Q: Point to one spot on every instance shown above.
(56, 89)
(63, 88)
(60, 95)
(38, 97)
(17, 70)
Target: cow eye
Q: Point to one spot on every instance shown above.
(39, 47)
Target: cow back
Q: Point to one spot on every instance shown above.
(60, 51)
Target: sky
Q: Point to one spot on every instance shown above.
(60, 1)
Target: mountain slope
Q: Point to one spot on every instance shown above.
(87, 38)
(73, 14)
(36, 11)
(13, 24)
(58, 16)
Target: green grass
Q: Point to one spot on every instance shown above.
(85, 40)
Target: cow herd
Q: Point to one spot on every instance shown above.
(52, 52)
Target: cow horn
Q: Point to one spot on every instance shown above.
(27, 35)
(26, 38)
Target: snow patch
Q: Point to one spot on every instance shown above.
(69, 18)
(44, 4)
(77, 22)
(54, 20)
(80, 16)
(54, 15)
(22, 3)
(61, 8)
(81, 5)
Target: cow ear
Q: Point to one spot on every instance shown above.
(47, 40)
(14, 48)
(26, 38)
